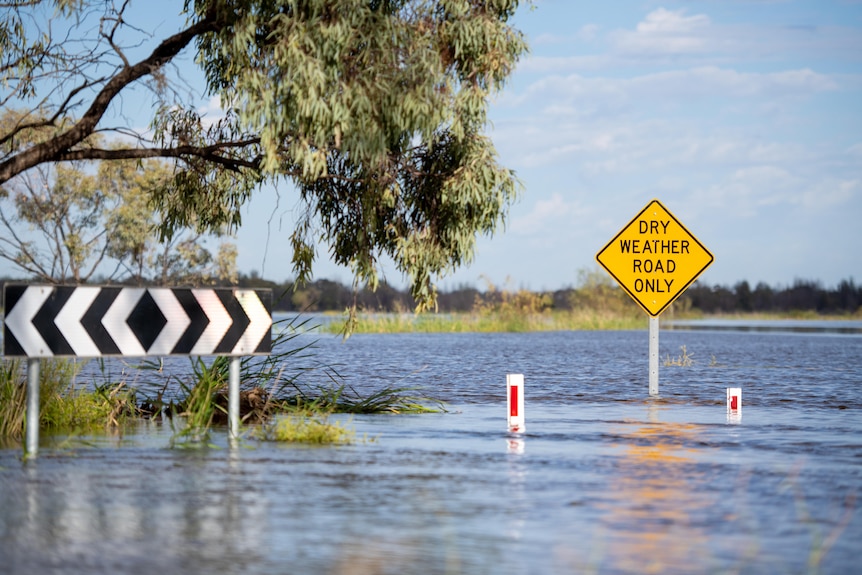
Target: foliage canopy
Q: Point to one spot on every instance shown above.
(374, 109)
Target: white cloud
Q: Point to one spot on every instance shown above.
(547, 214)
(678, 85)
(575, 95)
(675, 37)
(588, 32)
(663, 22)
(829, 193)
(664, 32)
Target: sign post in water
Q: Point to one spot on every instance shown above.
(654, 258)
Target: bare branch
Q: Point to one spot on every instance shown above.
(210, 153)
(53, 149)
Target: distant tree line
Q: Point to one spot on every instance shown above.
(595, 290)
(801, 296)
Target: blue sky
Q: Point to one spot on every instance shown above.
(744, 118)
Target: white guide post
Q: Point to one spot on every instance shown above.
(233, 397)
(515, 402)
(653, 355)
(32, 441)
(734, 404)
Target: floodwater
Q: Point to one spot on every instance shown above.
(605, 479)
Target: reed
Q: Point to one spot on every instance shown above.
(64, 407)
(13, 399)
(192, 417)
(271, 386)
(685, 359)
(344, 399)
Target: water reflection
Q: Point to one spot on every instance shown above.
(148, 515)
(515, 445)
(652, 508)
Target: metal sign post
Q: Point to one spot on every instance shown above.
(233, 398)
(654, 258)
(45, 321)
(653, 355)
(32, 430)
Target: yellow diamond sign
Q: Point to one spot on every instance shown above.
(654, 258)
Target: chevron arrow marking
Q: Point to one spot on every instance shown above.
(178, 322)
(43, 321)
(89, 321)
(260, 322)
(20, 321)
(92, 320)
(115, 324)
(68, 321)
(238, 322)
(220, 322)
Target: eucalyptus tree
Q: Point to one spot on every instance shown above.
(375, 110)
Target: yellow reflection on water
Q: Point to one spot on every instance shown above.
(651, 506)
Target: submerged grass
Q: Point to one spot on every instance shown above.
(13, 399)
(304, 426)
(685, 359)
(271, 386)
(64, 407)
(192, 417)
(343, 399)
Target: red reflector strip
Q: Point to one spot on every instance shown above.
(734, 402)
(513, 401)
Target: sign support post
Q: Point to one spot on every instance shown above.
(653, 355)
(654, 258)
(32, 431)
(233, 398)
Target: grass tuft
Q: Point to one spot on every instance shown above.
(13, 399)
(683, 360)
(307, 427)
(64, 408)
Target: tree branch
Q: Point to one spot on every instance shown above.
(62, 144)
(209, 153)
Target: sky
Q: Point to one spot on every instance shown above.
(742, 117)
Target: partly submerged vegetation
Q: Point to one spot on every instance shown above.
(684, 359)
(306, 427)
(272, 393)
(64, 406)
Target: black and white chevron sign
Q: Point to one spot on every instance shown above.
(90, 321)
